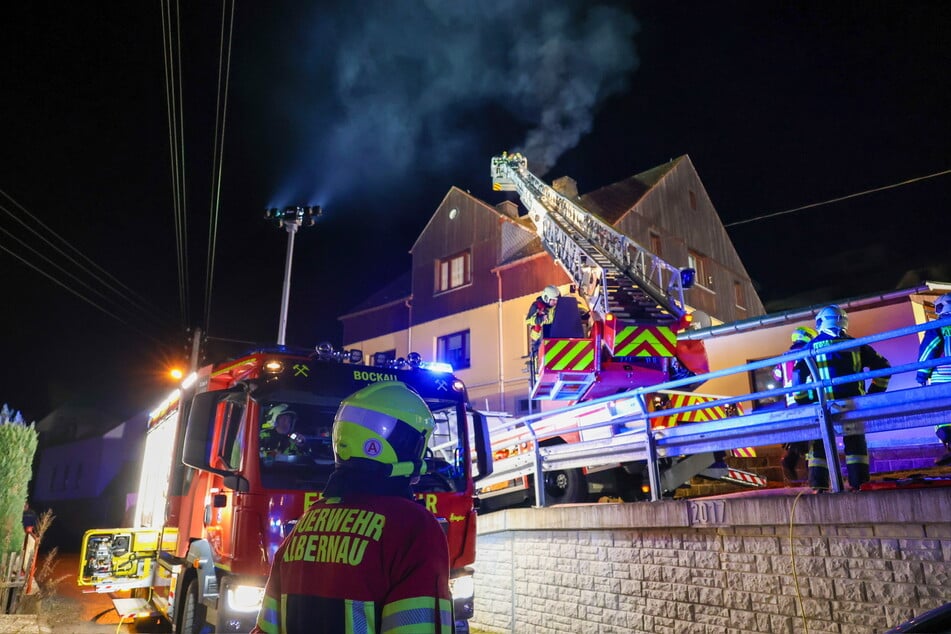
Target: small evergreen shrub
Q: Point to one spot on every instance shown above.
(17, 446)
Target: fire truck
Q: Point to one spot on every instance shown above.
(222, 485)
(633, 303)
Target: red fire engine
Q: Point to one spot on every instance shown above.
(222, 484)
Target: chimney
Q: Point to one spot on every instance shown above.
(566, 186)
(508, 208)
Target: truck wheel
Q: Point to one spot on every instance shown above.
(193, 612)
(566, 487)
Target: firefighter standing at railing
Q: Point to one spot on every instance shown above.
(367, 558)
(832, 324)
(540, 314)
(936, 344)
(784, 373)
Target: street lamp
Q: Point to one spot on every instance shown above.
(290, 219)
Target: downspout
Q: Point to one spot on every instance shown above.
(409, 325)
(498, 274)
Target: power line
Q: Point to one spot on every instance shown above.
(835, 200)
(221, 112)
(126, 294)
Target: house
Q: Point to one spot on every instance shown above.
(86, 470)
(476, 269)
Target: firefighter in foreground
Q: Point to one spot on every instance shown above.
(936, 344)
(367, 558)
(784, 374)
(540, 314)
(832, 324)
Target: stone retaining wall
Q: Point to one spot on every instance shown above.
(855, 563)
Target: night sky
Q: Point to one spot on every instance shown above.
(375, 109)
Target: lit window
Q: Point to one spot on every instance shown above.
(453, 272)
(762, 379)
(454, 350)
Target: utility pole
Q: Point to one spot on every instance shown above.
(290, 219)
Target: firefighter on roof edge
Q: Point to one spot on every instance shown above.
(936, 344)
(541, 314)
(367, 558)
(784, 373)
(832, 324)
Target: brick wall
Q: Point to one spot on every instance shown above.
(858, 563)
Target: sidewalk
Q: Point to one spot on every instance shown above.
(21, 624)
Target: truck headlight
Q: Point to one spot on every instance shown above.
(245, 598)
(462, 588)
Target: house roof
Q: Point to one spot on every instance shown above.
(398, 290)
(613, 201)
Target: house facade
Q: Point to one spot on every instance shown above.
(476, 268)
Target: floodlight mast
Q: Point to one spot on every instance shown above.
(290, 219)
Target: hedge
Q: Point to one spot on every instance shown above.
(18, 443)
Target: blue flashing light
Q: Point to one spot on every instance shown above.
(436, 366)
(687, 278)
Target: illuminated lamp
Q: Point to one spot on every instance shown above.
(176, 373)
(414, 359)
(687, 278)
(273, 366)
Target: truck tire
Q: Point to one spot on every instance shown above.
(192, 618)
(565, 487)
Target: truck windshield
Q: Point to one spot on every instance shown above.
(296, 452)
(294, 445)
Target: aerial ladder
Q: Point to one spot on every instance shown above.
(636, 307)
(634, 298)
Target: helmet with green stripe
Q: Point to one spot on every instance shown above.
(384, 428)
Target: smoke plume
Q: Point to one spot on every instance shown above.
(403, 84)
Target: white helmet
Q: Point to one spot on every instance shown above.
(832, 320)
(942, 306)
(550, 293)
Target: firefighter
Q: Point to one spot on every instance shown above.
(832, 323)
(936, 344)
(277, 437)
(367, 557)
(541, 314)
(784, 373)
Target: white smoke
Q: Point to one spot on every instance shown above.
(411, 80)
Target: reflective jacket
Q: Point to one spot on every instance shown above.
(785, 371)
(359, 562)
(540, 314)
(841, 363)
(935, 344)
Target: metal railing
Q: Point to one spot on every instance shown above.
(622, 431)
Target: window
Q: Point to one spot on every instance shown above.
(232, 442)
(762, 379)
(695, 262)
(453, 272)
(739, 294)
(454, 350)
(656, 247)
(693, 199)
